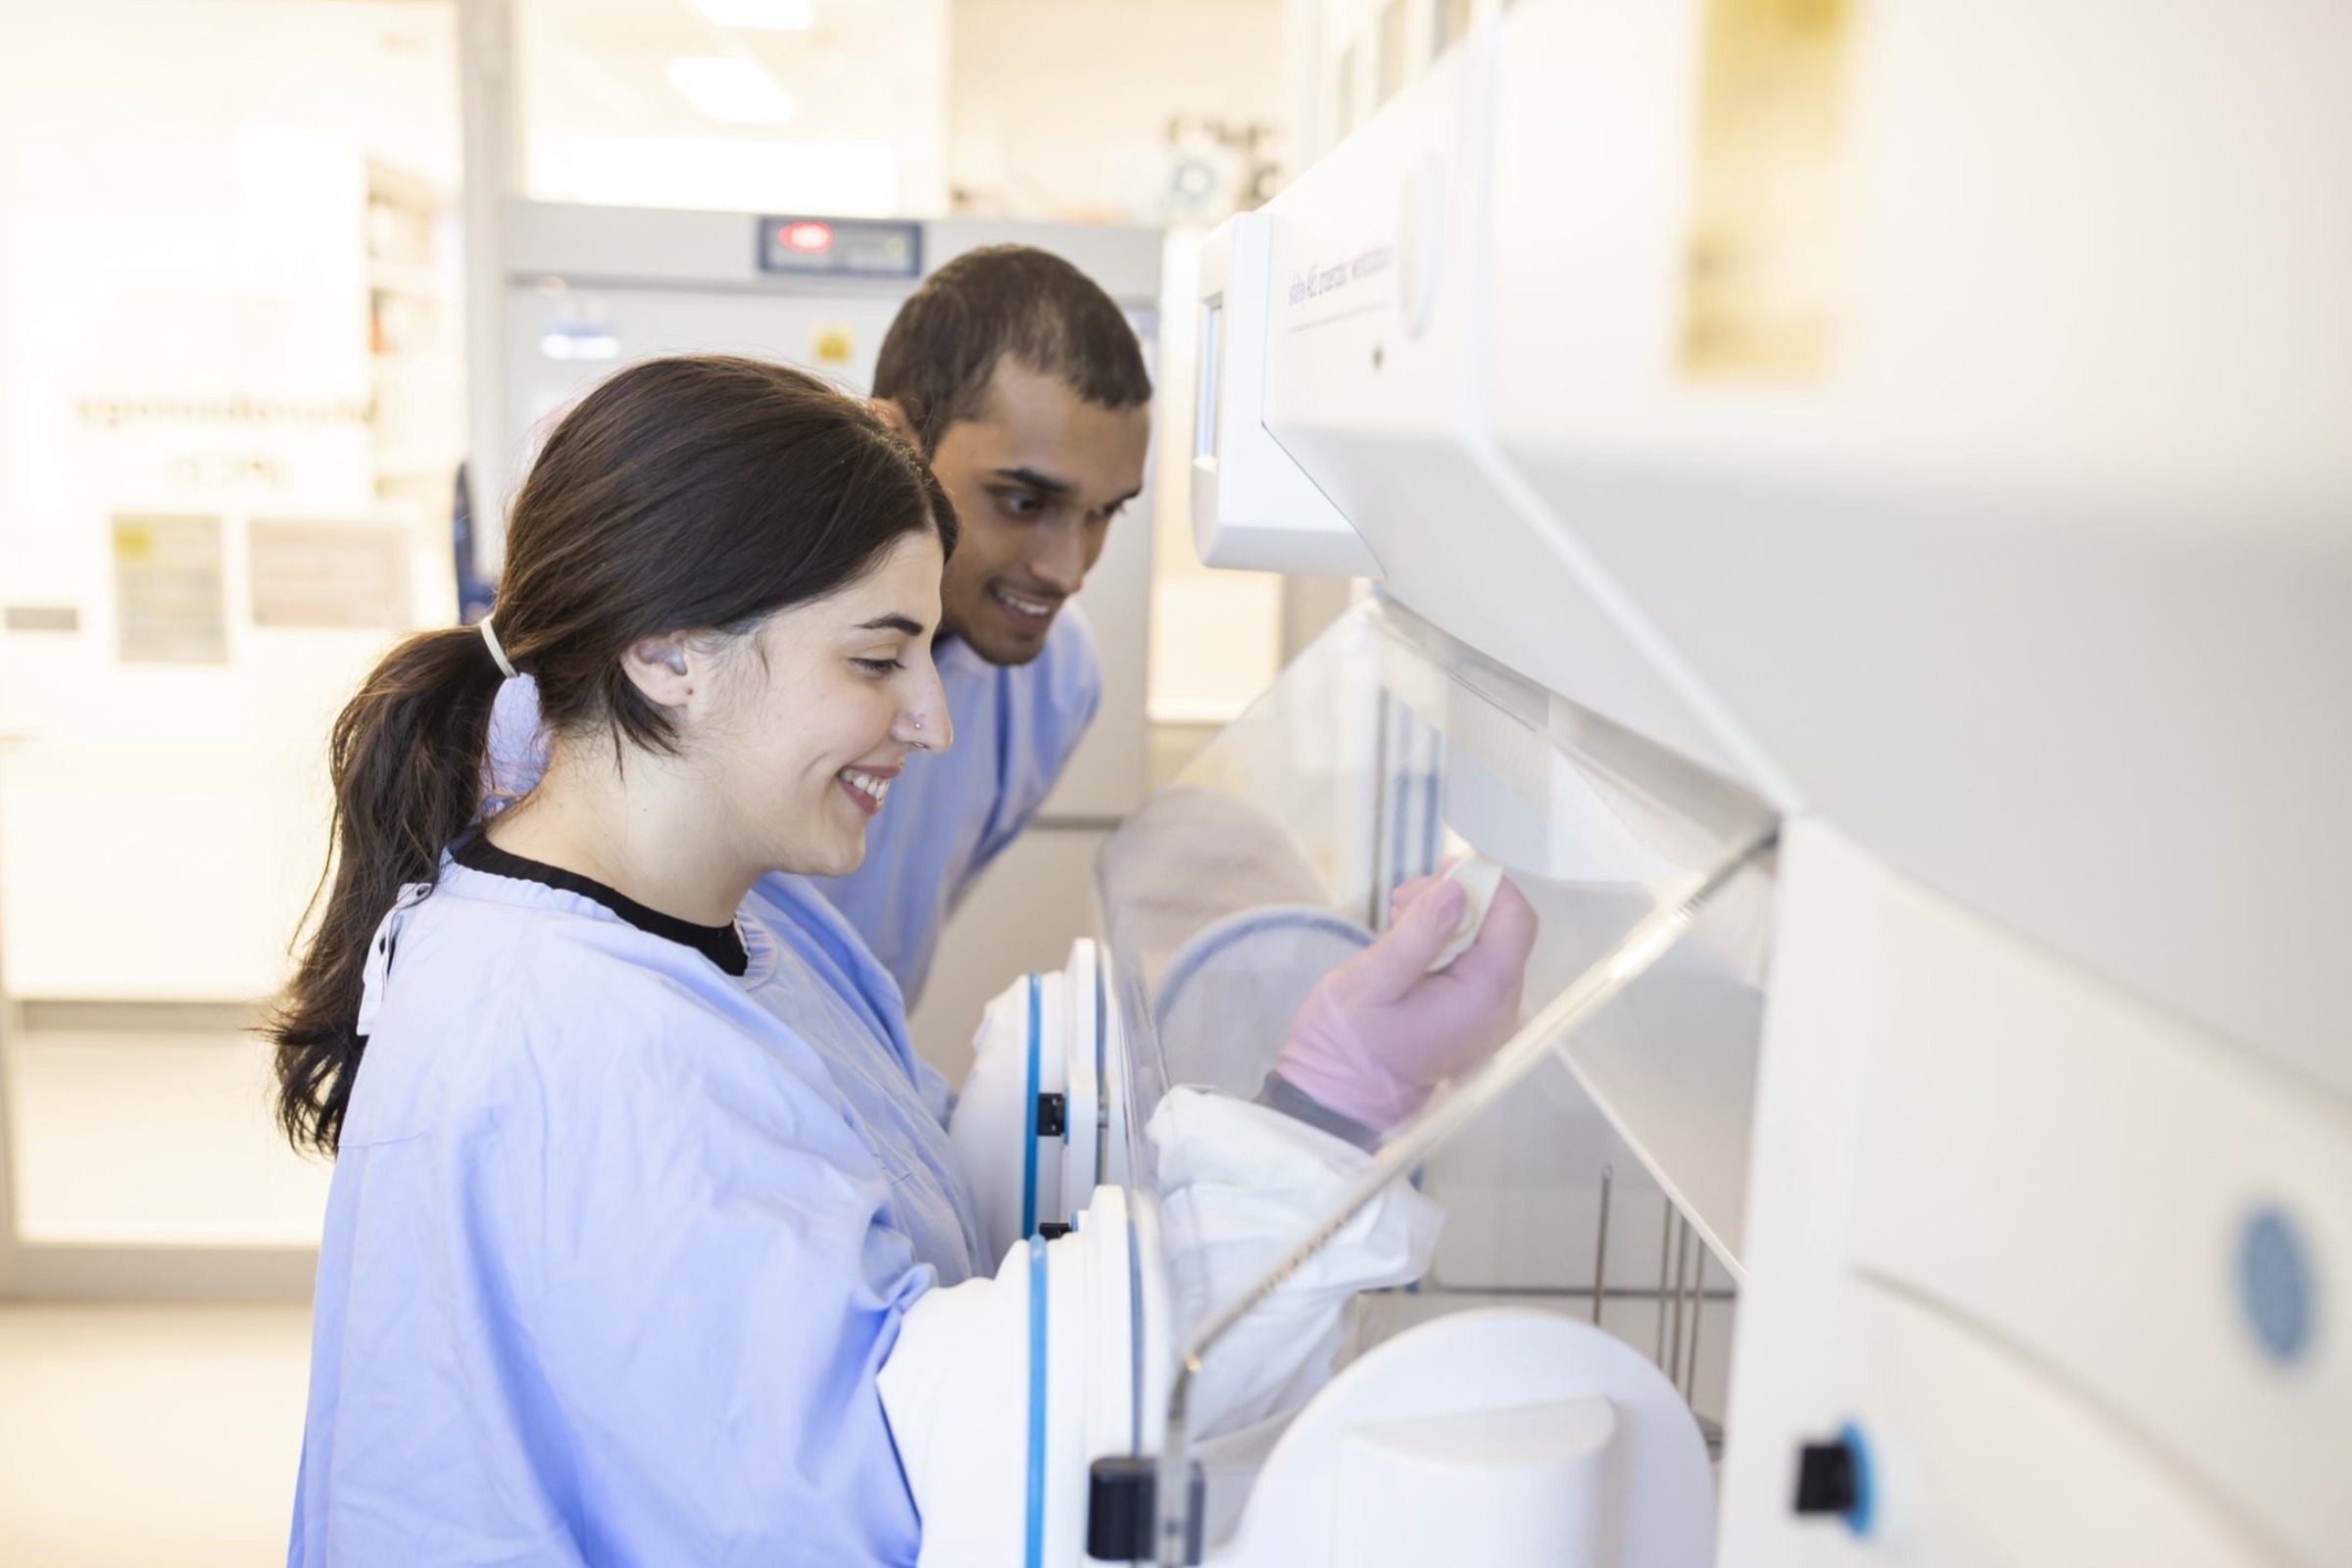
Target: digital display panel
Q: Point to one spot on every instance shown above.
(840, 247)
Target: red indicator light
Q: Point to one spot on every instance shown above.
(807, 237)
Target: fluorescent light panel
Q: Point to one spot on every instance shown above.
(733, 92)
(765, 15)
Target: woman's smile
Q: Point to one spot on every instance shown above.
(868, 786)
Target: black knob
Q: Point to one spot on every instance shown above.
(1827, 1478)
(1121, 1516)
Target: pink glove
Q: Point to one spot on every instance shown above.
(1380, 1033)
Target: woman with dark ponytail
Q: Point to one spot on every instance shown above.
(645, 1244)
(562, 1128)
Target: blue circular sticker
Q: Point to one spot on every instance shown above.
(2276, 1286)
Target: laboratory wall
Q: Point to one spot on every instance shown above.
(230, 414)
(230, 406)
(1165, 112)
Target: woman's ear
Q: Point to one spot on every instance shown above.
(661, 668)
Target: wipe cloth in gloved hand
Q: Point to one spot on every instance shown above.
(1240, 1186)
(1381, 1032)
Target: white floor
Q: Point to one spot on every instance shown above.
(149, 1437)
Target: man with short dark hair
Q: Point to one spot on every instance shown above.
(1025, 386)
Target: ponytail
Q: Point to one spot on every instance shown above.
(406, 760)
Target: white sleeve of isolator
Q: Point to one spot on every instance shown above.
(1241, 1184)
(1002, 1392)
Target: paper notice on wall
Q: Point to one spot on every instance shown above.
(1766, 286)
(170, 606)
(329, 574)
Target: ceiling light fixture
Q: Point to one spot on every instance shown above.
(765, 15)
(733, 92)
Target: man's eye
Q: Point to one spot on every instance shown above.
(877, 667)
(1024, 506)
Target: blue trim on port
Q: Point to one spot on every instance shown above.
(1038, 1305)
(1029, 1117)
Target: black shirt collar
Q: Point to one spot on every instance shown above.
(722, 945)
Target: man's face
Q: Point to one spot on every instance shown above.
(1036, 478)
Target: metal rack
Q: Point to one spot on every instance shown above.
(1688, 1280)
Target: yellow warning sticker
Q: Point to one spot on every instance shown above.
(1766, 267)
(832, 343)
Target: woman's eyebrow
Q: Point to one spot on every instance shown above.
(893, 622)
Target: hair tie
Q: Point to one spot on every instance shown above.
(490, 641)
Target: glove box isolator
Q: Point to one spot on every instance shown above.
(1592, 1218)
